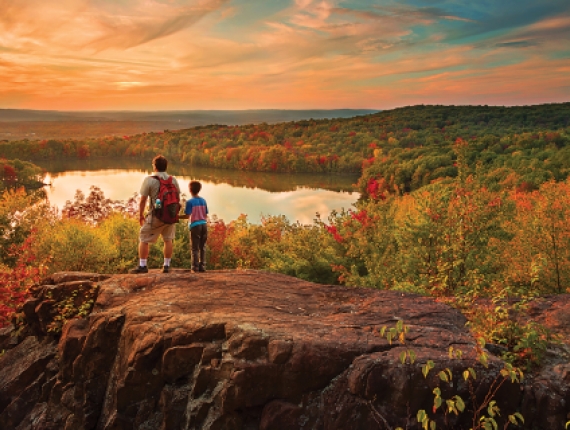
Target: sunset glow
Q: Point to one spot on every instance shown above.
(238, 54)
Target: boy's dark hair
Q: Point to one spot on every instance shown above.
(195, 187)
(160, 163)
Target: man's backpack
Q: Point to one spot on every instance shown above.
(169, 207)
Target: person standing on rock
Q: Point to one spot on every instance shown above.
(151, 226)
(197, 211)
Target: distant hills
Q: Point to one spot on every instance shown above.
(18, 124)
(188, 118)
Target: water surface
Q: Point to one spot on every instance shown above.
(229, 193)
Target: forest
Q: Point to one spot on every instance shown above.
(466, 204)
(409, 147)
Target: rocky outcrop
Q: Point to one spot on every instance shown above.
(249, 350)
(547, 393)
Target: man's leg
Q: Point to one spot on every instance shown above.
(146, 236)
(168, 232)
(143, 250)
(167, 250)
(143, 256)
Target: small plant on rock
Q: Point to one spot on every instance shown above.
(484, 412)
(77, 305)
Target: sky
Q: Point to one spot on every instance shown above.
(281, 54)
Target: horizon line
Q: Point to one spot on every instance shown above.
(278, 109)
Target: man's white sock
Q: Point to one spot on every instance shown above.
(167, 261)
(142, 262)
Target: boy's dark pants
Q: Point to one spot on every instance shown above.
(198, 237)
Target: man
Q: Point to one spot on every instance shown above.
(151, 226)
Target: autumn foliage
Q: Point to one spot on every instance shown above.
(409, 147)
(15, 282)
(470, 205)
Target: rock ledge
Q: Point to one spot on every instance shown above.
(248, 350)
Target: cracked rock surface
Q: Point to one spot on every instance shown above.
(241, 350)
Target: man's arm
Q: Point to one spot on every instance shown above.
(142, 205)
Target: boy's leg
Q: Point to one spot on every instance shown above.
(195, 243)
(203, 239)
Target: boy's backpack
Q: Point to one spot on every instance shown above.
(169, 198)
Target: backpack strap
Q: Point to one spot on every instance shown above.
(152, 201)
(169, 180)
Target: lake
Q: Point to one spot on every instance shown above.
(229, 193)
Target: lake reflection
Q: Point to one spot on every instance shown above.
(228, 193)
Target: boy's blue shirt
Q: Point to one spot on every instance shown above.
(197, 208)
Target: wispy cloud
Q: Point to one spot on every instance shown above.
(155, 21)
(97, 24)
(516, 44)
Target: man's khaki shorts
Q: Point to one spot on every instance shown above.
(153, 227)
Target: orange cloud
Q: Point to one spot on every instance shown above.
(179, 54)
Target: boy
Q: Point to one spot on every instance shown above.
(197, 211)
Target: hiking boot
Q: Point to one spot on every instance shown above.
(201, 268)
(165, 269)
(140, 269)
(195, 269)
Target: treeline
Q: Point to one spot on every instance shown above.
(409, 147)
(17, 173)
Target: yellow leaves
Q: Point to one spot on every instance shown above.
(493, 409)
(398, 332)
(455, 405)
(455, 353)
(424, 420)
(483, 358)
(469, 372)
(427, 367)
(514, 374)
(407, 354)
(517, 417)
(445, 375)
(71, 245)
(437, 400)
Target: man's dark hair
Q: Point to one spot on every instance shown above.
(160, 163)
(195, 187)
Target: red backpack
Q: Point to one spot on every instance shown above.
(169, 206)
